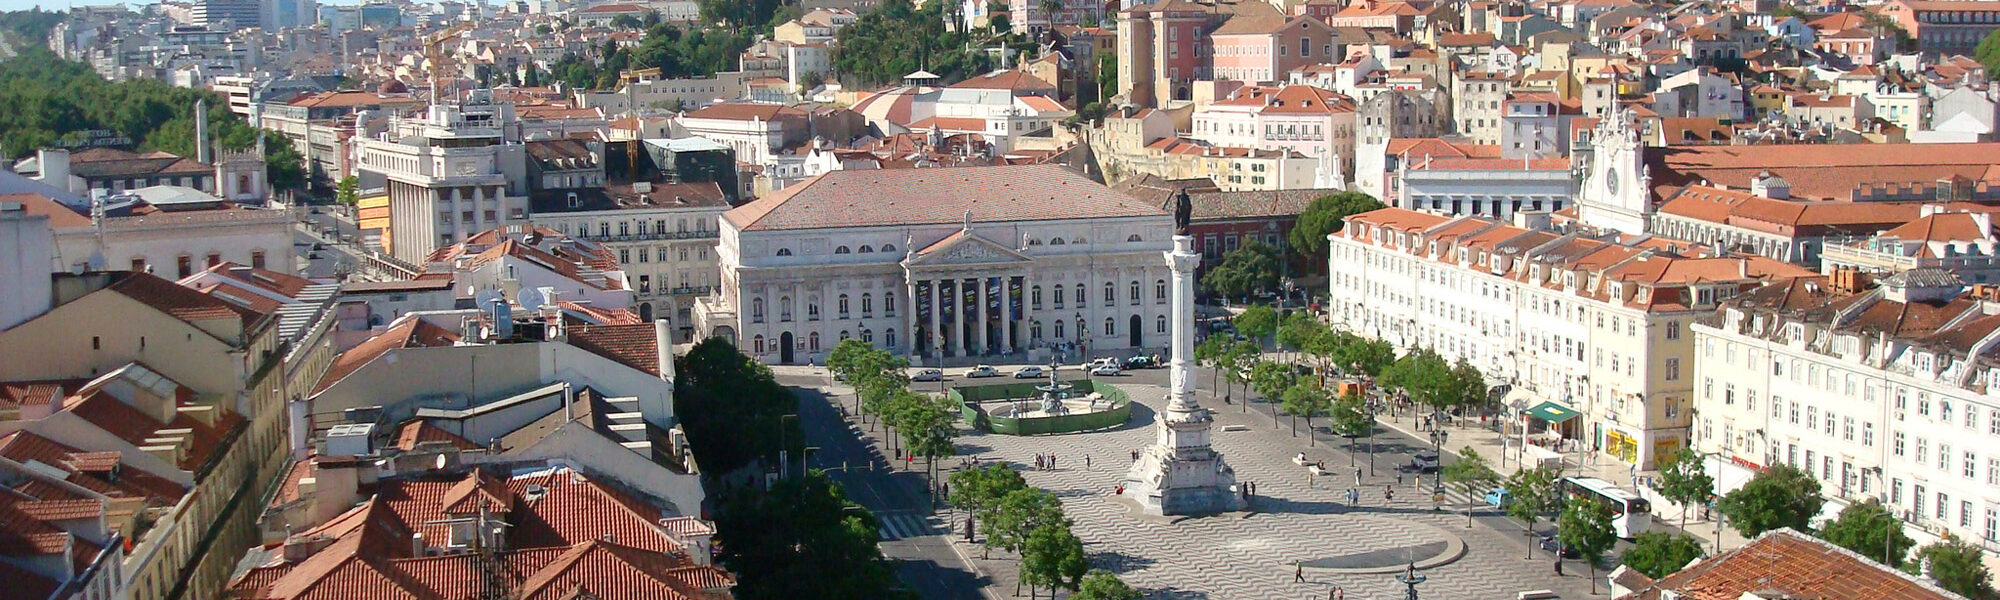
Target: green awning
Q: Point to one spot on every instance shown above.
(1553, 412)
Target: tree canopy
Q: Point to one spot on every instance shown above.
(51, 100)
(1429, 380)
(1251, 268)
(1869, 530)
(800, 539)
(1100, 584)
(1684, 481)
(1956, 565)
(898, 38)
(1988, 51)
(1657, 553)
(1326, 215)
(1780, 496)
(731, 407)
(1257, 322)
(1586, 528)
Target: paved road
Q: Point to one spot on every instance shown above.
(912, 535)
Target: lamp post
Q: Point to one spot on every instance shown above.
(1410, 578)
(1438, 437)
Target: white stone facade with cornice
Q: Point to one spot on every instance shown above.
(787, 287)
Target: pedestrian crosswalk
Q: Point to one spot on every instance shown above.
(900, 525)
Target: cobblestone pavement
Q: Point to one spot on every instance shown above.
(1251, 555)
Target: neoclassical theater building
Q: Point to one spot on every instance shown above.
(951, 262)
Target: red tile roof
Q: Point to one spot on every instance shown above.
(60, 217)
(177, 301)
(632, 345)
(1793, 565)
(406, 332)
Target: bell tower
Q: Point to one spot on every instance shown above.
(1617, 191)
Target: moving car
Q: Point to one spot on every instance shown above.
(1106, 369)
(1496, 497)
(982, 371)
(1030, 373)
(1141, 362)
(928, 375)
(1425, 461)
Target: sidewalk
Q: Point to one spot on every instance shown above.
(1507, 460)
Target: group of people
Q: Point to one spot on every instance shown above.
(1047, 462)
(1299, 576)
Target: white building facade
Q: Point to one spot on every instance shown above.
(943, 263)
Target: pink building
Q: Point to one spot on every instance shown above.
(1264, 49)
(1311, 121)
(1163, 48)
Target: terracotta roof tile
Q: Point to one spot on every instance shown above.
(632, 345)
(1796, 566)
(842, 199)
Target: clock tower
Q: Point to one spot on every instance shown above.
(1617, 191)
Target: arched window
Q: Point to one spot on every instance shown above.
(867, 306)
(843, 306)
(1034, 241)
(844, 335)
(1134, 237)
(865, 249)
(812, 311)
(888, 247)
(1081, 331)
(1135, 293)
(1079, 296)
(889, 304)
(1059, 298)
(868, 335)
(1059, 329)
(841, 250)
(784, 252)
(1035, 330)
(1110, 326)
(1057, 242)
(757, 310)
(889, 338)
(1035, 297)
(1160, 324)
(758, 343)
(812, 342)
(1160, 291)
(1110, 293)
(785, 309)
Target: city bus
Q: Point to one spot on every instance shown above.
(1631, 515)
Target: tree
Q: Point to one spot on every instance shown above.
(1957, 565)
(1325, 216)
(1430, 381)
(897, 38)
(1684, 481)
(1018, 514)
(1358, 355)
(1213, 353)
(1298, 331)
(1052, 557)
(980, 490)
(800, 539)
(1100, 584)
(1107, 77)
(1049, 10)
(1658, 553)
(732, 407)
(998, 19)
(1869, 530)
(1472, 475)
(1780, 496)
(1305, 398)
(1988, 51)
(842, 359)
(1586, 527)
(626, 22)
(1271, 379)
(1257, 322)
(1531, 493)
(1237, 365)
(347, 191)
(1251, 268)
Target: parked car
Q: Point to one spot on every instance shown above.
(1549, 543)
(1425, 461)
(1141, 362)
(1030, 373)
(1496, 497)
(982, 371)
(1099, 362)
(928, 375)
(1106, 369)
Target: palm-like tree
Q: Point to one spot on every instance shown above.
(1049, 10)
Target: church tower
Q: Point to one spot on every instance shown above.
(1617, 191)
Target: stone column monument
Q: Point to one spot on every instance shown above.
(1180, 474)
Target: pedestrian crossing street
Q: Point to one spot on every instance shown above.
(904, 524)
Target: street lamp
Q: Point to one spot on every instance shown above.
(1410, 578)
(1438, 437)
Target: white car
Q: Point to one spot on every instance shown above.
(1106, 369)
(928, 375)
(982, 371)
(1030, 373)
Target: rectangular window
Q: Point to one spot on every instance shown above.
(1970, 466)
(1868, 434)
(1674, 370)
(1896, 444)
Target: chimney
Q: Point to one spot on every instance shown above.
(336, 486)
(299, 415)
(201, 152)
(663, 349)
(55, 168)
(1771, 186)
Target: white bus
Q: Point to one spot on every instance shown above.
(1631, 515)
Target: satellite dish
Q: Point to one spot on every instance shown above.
(440, 462)
(485, 298)
(531, 298)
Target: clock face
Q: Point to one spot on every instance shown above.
(1611, 179)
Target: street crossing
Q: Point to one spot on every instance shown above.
(906, 524)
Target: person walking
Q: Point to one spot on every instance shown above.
(1298, 572)
(1388, 494)
(1357, 477)
(1086, 462)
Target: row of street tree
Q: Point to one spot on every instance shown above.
(922, 425)
(1029, 522)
